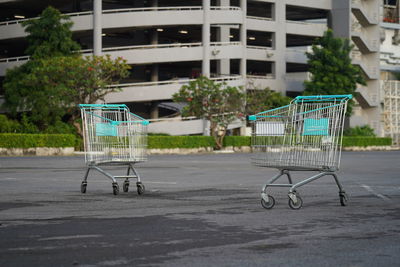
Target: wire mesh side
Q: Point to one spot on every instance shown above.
(309, 137)
(269, 136)
(113, 135)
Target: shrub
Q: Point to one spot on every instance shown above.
(366, 141)
(180, 141)
(9, 140)
(359, 131)
(9, 126)
(237, 141)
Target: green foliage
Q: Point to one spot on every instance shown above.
(366, 141)
(331, 68)
(50, 35)
(365, 130)
(237, 141)
(8, 140)
(54, 86)
(180, 141)
(217, 102)
(9, 126)
(14, 126)
(57, 78)
(261, 100)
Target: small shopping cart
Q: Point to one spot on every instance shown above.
(305, 135)
(113, 136)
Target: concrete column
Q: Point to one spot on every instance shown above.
(97, 38)
(280, 46)
(154, 110)
(243, 39)
(154, 70)
(154, 41)
(206, 39)
(223, 65)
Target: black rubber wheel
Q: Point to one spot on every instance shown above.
(125, 186)
(115, 189)
(297, 205)
(140, 188)
(343, 199)
(270, 204)
(83, 187)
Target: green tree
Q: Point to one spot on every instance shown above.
(57, 78)
(261, 100)
(66, 81)
(216, 102)
(50, 35)
(331, 68)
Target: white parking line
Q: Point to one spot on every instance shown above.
(68, 237)
(369, 189)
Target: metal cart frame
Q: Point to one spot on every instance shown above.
(113, 135)
(305, 135)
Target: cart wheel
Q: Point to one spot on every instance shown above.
(125, 186)
(270, 204)
(297, 205)
(83, 187)
(115, 189)
(343, 199)
(140, 188)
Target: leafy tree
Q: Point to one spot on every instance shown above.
(261, 100)
(331, 68)
(217, 102)
(50, 35)
(57, 78)
(65, 81)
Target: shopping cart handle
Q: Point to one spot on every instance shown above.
(252, 117)
(145, 122)
(313, 97)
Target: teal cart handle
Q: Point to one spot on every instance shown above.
(316, 97)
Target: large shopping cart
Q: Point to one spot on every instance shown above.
(305, 135)
(113, 136)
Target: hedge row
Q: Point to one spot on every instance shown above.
(366, 141)
(11, 140)
(362, 141)
(180, 141)
(8, 140)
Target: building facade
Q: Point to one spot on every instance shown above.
(250, 43)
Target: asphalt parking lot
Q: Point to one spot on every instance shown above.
(197, 210)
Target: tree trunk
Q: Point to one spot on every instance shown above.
(214, 134)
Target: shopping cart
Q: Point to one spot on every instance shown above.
(113, 136)
(305, 135)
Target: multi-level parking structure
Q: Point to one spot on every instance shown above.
(250, 43)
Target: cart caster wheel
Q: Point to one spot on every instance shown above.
(115, 189)
(268, 205)
(297, 205)
(343, 199)
(83, 187)
(125, 186)
(140, 188)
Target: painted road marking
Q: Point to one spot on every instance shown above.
(369, 189)
(68, 237)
